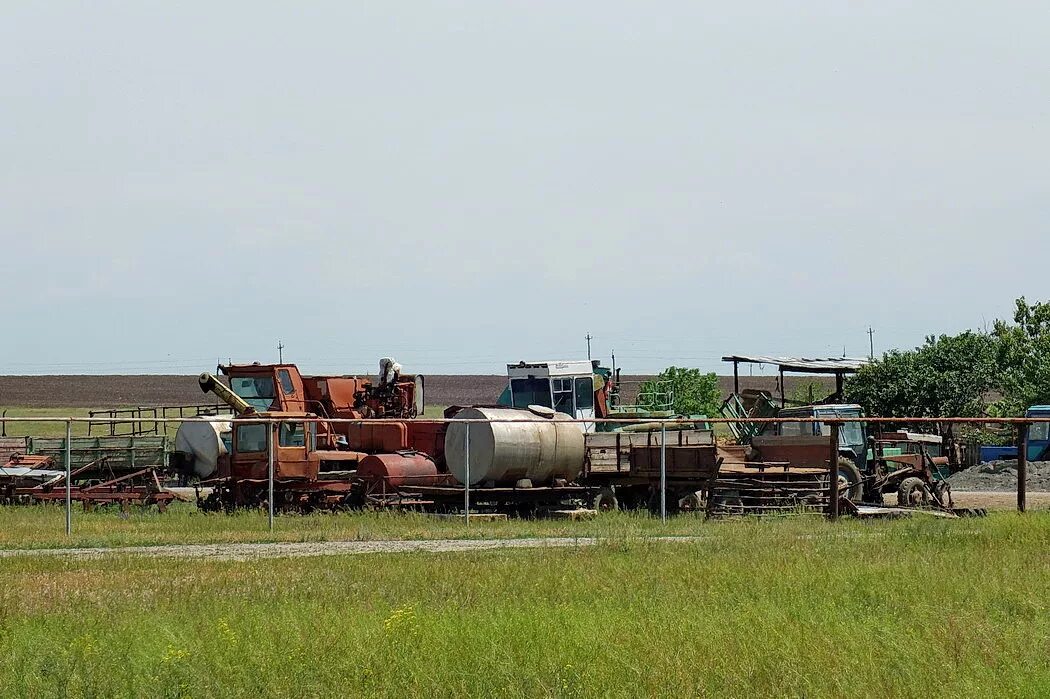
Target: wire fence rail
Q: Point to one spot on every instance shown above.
(1021, 424)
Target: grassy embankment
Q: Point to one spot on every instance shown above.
(784, 608)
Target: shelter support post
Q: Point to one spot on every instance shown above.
(1022, 465)
(833, 472)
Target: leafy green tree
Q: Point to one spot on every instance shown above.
(1024, 357)
(946, 376)
(693, 392)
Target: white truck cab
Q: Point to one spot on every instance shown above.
(566, 386)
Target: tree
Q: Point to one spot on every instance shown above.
(692, 392)
(1024, 357)
(947, 376)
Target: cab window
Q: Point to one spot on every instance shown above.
(251, 438)
(286, 382)
(562, 395)
(291, 434)
(258, 391)
(796, 429)
(531, 392)
(584, 393)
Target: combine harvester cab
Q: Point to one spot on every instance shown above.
(316, 459)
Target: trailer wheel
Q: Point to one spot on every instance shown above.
(605, 500)
(912, 493)
(850, 481)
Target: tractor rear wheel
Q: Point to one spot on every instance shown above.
(912, 493)
(851, 485)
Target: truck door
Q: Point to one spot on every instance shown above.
(1038, 439)
(585, 401)
(293, 451)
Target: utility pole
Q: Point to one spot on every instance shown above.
(280, 352)
(589, 338)
(871, 343)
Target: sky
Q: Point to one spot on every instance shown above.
(464, 184)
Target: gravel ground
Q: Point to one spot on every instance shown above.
(245, 552)
(1002, 476)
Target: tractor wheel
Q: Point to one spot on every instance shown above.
(851, 485)
(605, 500)
(912, 493)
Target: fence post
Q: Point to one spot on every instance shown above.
(833, 472)
(663, 472)
(269, 473)
(466, 480)
(1022, 465)
(69, 476)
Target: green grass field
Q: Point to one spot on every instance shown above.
(49, 429)
(793, 607)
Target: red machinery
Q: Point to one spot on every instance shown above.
(315, 463)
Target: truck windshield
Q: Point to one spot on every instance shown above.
(258, 391)
(531, 392)
(1039, 431)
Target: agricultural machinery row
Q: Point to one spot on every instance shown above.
(561, 436)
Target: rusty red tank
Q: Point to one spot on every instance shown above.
(400, 469)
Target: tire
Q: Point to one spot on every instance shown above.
(912, 493)
(605, 500)
(851, 480)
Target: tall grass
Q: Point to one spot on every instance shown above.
(789, 608)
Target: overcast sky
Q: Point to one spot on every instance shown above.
(463, 184)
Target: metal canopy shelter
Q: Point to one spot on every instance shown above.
(839, 366)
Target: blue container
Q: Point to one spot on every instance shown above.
(997, 453)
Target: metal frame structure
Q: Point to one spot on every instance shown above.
(837, 366)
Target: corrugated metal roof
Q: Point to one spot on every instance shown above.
(831, 365)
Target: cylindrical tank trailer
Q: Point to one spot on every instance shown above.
(513, 449)
(201, 442)
(399, 469)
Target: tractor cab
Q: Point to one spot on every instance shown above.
(1038, 434)
(568, 387)
(294, 445)
(853, 440)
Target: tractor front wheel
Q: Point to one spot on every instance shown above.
(913, 493)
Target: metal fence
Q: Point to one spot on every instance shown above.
(149, 420)
(1021, 425)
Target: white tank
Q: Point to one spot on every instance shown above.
(202, 438)
(507, 452)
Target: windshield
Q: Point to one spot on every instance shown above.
(251, 438)
(258, 391)
(531, 392)
(1039, 431)
(851, 434)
